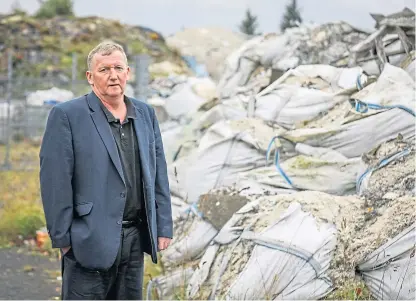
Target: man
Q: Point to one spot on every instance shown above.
(104, 184)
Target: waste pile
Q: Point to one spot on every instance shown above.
(210, 46)
(291, 185)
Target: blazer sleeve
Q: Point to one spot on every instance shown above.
(162, 190)
(56, 169)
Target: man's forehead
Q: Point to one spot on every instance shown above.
(115, 58)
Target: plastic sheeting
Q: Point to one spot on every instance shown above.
(389, 271)
(297, 46)
(168, 286)
(304, 93)
(179, 96)
(378, 113)
(357, 137)
(289, 260)
(225, 150)
(182, 101)
(317, 169)
(191, 238)
(394, 88)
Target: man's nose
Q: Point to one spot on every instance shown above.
(113, 73)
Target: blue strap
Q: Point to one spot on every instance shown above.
(362, 107)
(194, 209)
(381, 164)
(276, 160)
(358, 82)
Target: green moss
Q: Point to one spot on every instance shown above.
(50, 42)
(304, 162)
(66, 61)
(137, 47)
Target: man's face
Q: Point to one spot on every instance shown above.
(109, 74)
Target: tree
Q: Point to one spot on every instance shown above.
(52, 8)
(17, 9)
(292, 17)
(249, 24)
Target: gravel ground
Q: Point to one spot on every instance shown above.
(25, 276)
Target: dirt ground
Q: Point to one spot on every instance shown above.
(25, 276)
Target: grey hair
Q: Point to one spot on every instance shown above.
(105, 48)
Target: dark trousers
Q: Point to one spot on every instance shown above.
(123, 281)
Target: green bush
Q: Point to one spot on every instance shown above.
(22, 220)
(53, 8)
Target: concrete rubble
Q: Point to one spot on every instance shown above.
(293, 171)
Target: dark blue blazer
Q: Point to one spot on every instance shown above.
(82, 183)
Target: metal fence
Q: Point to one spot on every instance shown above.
(22, 123)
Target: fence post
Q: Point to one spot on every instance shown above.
(142, 77)
(6, 163)
(74, 70)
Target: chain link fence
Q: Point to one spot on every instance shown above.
(22, 122)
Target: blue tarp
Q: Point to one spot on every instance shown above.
(199, 69)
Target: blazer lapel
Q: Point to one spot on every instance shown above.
(104, 130)
(142, 139)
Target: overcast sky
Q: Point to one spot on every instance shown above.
(169, 16)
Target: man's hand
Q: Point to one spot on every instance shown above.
(163, 243)
(65, 250)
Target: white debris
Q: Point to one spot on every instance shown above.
(38, 98)
(166, 68)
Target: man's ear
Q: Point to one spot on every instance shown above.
(88, 74)
(128, 73)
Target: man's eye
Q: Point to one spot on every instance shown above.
(119, 68)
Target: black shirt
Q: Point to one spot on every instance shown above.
(128, 149)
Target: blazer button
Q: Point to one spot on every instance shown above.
(122, 194)
(118, 222)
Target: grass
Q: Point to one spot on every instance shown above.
(21, 212)
(354, 290)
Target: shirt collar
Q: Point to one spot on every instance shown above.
(131, 111)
